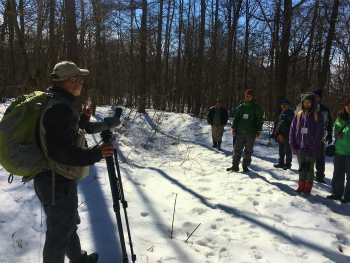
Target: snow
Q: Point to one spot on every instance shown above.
(242, 217)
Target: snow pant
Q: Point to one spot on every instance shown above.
(341, 167)
(217, 132)
(62, 219)
(320, 163)
(285, 151)
(246, 141)
(306, 171)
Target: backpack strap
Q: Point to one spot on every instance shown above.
(299, 114)
(315, 115)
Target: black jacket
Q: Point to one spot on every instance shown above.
(223, 116)
(284, 122)
(61, 125)
(327, 118)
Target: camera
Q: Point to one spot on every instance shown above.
(107, 123)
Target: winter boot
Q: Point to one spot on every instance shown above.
(215, 145)
(245, 168)
(278, 165)
(307, 188)
(92, 258)
(219, 145)
(287, 166)
(333, 197)
(233, 168)
(301, 187)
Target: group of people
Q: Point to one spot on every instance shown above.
(302, 132)
(60, 137)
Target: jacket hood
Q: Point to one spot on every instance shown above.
(314, 102)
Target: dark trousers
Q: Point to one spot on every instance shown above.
(285, 151)
(246, 141)
(320, 163)
(62, 219)
(341, 167)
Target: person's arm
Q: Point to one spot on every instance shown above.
(60, 125)
(260, 119)
(292, 132)
(319, 131)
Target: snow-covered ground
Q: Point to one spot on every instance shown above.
(241, 217)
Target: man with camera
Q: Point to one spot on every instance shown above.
(60, 136)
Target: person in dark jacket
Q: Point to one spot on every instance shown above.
(249, 120)
(282, 131)
(327, 136)
(217, 117)
(342, 156)
(305, 138)
(62, 141)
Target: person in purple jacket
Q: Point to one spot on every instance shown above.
(305, 137)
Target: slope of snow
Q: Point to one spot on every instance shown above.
(240, 217)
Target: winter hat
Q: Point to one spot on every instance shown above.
(347, 102)
(66, 69)
(219, 100)
(285, 101)
(318, 92)
(250, 92)
(308, 96)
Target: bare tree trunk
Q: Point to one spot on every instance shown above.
(158, 85)
(143, 56)
(199, 67)
(71, 31)
(326, 57)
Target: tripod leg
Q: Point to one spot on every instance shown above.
(125, 204)
(115, 195)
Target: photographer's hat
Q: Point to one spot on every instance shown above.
(66, 69)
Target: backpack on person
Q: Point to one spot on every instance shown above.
(19, 152)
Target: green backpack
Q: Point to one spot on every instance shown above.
(19, 152)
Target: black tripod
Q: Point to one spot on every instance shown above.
(118, 195)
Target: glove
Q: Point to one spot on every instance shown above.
(257, 135)
(310, 150)
(233, 132)
(329, 138)
(295, 148)
(281, 138)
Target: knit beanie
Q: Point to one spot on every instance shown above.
(285, 101)
(308, 96)
(318, 92)
(250, 92)
(347, 102)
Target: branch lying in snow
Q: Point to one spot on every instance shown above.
(172, 225)
(192, 232)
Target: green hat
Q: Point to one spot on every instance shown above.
(66, 69)
(308, 96)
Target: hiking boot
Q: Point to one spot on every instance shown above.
(92, 258)
(219, 145)
(344, 201)
(278, 165)
(245, 168)
(287, 166)
(233, 168)
(333, 197)
(215, 145)
(320, 180)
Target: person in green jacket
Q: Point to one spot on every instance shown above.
(342, 156)
(249, 119)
